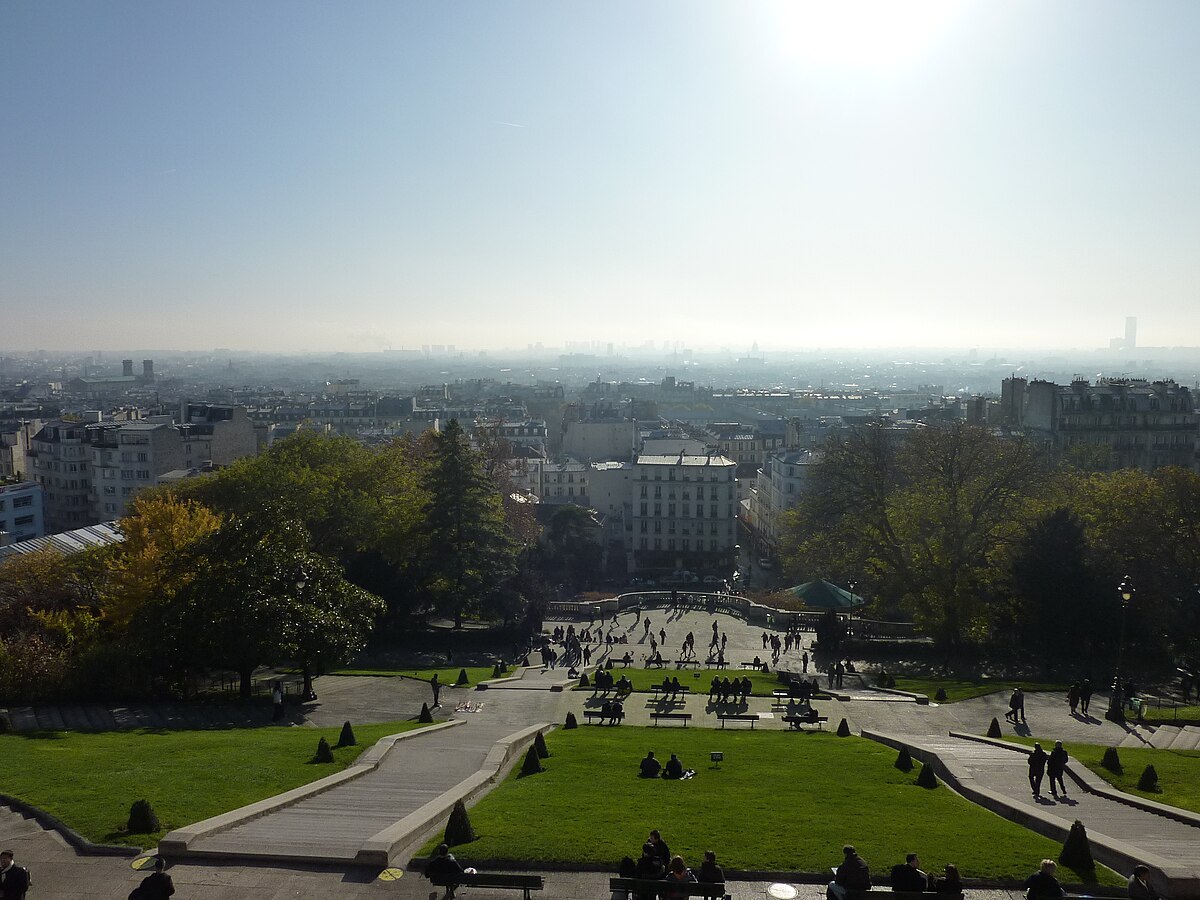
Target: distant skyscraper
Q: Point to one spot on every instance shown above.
(1130, 332)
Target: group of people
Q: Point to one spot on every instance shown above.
(650, 767)
(656, 863)
(1053, 764)
(671, 688)
(725, 690)
(1079, 697)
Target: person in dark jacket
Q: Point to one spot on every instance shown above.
(1037, 769)
(1140, 887)
(442, 866)
(711, 873)
(14, 879)
(1056, 766)
(1042, 883)
(157, 885)
(908, 876)
(650, 867)
(673, 768)
(661, 850)
(650, 766)
(950, 883)
(852, 875)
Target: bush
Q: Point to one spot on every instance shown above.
(463, 681)
(926, 778)
(583, 680)
(843, 729)
(994, 729)
(1112, 761)
(572, 722)
(347, 738)
(940, 697)
(324, 753)
(426, 717)
(458, 828)
(539, 744)
(496, 670)
(904, 760)
(1149, 780)
(532, 764)
(1077, 850)
(142, 818)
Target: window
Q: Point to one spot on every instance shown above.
(671, 543)
(658, 526)
(658, 509)
(127, 474)
(643, 509)
(20, 502)
(658, 543)
(643, 528)
(110, 491)
(687, 544)
(712, 510)
(23, 520)
(143, 457)
(671, 526)
(700, 492)
(699, 510)
(645, 544)
(643, 490)
(3, 504)
(657, 491)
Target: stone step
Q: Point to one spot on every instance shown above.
(1164, 736)
(1187, 738)
(1138, 736)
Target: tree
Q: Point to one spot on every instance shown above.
(469, 551)
(573, 551)
(258, 598)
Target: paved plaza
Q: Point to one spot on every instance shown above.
(304, 849)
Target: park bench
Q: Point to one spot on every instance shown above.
(652, 887)
(680, 717)
(716, 664)
(751, 665)
(524, 883)
(596, 714)
(680, 663)
(738, 717)
(798, 721)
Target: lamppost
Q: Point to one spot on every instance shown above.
(307, 694)
(853, 586)
(1116, 702)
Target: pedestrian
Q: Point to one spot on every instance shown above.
(1085, 696)
(1020, 708)
(587, 655)
(662, 636)
(155, 886)
(765, 640)
(14, 879)
(1013, 700)
(804, 662)
(647, 624)
(437, 689)
(1037, 769)
(840, 670)
(276, 702)
(1056, 765)
(1073, 697)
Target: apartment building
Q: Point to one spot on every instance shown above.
(683, 513)
(21, 511)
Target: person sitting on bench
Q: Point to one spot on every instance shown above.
(674, 768)
(907, 876)
(650, 766)
(649, 867)
(616, 712)
(676, 688)
(626, 659)
(852, 875)
(624, 686)
(442, 866)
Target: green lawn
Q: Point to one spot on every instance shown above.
(1178, 771)
(967, 689)
(778, 802)
(447, 674)
(1166, 715)
(698, 682)
(89, 780)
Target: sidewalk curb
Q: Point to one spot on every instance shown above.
(180, 842)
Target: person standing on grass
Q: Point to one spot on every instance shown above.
(1056, 765)
(1037, 769)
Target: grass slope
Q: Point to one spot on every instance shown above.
(779, 802)
(89, 780)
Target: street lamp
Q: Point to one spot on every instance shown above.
(307, 694)
(1116, 703)
(853, 586)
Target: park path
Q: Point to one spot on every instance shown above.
(335, 825)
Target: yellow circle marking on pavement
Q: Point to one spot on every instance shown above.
(142, 862)
(390, 874)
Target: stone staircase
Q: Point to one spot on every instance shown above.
(1163, 737)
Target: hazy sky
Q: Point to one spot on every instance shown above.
(347, 176)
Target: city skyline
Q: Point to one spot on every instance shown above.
(301, 177)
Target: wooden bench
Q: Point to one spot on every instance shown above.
(659, 689)
(681, 717)
(523, 883)
(751, 665)
(716, 664)
(652, 887)
(798, 721)
(738, 717)
(597, 714)
(680, 663)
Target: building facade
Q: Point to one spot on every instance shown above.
(21, 511)
(683, 513)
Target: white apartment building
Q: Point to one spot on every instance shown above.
(595, 440)
(780, 484)
(683, 513)
(21, 514)
(565, 482)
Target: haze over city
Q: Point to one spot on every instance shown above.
(290, 177)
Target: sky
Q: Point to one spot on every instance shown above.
(356, 176)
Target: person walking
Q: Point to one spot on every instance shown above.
(1056, 765)
(1037, 769)
(276, 702)
(1073, 698)
(804, 662)
(1085, 696)
(437, 689)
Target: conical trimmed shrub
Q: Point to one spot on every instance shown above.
(426, 717)
(496, 670)
(583, 680)
(347, 738)
(142, 818)
(1077, 850)
(926, 778)
(572, 722)
(458, 828)
(940, 697)
(1112, 761)
(843, 729)
(539, 744)
(463, 681)
(994, 729)
(1149, 780)
(532, 764)
(324, 753)
(904, 760)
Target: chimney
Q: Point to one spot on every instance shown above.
(127, 367)
(147, 370)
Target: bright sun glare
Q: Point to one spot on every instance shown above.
(862, 33)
